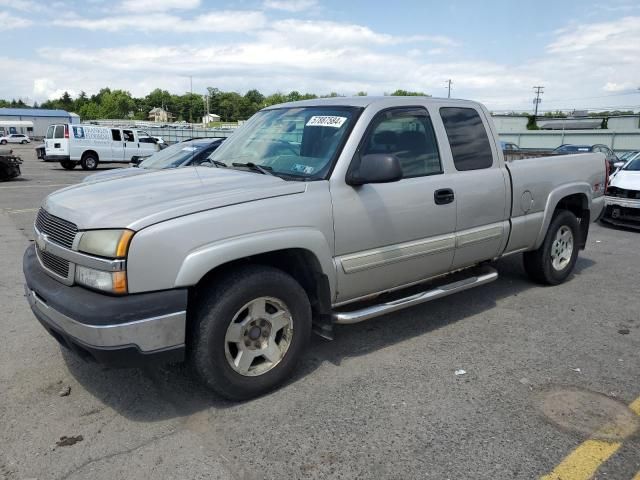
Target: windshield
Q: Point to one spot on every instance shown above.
(633, 165)
(174, 156)
(628, 155)
(295, 142)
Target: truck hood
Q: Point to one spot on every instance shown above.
(627, 179)
(115, 173)
(141, 200)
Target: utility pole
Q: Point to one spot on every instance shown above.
(449, 88)
(536, 101)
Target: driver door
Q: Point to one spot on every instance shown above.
(389, 235)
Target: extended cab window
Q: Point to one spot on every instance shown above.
(408, 134)
(468, 138)
(128, 136)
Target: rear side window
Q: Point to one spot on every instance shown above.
(115, 135)
(408, 134)
(468, 138)
(59, 131)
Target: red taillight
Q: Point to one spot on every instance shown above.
(66, 131)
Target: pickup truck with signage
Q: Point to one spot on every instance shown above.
(311, 215)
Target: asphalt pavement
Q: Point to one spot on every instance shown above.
(548, 371)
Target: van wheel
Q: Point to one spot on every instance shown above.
(554, 261)
(250, 329)
(89, 161)
(68, 165)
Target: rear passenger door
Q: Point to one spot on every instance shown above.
(480, 184)
(392, 234)
(130, 145)
(117, 145)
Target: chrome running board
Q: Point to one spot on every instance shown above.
(485, 275)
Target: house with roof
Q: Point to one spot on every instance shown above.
(160, 115)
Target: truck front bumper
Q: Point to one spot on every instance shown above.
(129, 330)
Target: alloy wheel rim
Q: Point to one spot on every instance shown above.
(562, 248)
(259, 336)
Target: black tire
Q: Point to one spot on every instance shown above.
(538, 263)
(3, 142)
(24, 142)
(68, 164)
(89, 161)
(214, 310)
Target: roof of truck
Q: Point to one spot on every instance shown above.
(366, 101)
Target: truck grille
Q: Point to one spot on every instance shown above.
(58, 230)
(623, 193)
(57, 265)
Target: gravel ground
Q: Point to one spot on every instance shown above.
(545, 367)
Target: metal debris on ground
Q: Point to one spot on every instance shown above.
(65, 391)
(68, 441)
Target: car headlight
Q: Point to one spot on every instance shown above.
(106, 243)
(112, 282)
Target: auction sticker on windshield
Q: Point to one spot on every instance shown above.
(326, 121)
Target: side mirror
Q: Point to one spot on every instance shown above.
(375, 168)
(618, 164)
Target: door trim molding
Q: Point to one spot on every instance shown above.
(378, 257)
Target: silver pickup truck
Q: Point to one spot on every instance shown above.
(314, 213)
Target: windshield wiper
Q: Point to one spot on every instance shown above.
(218, 163)
(256, 168)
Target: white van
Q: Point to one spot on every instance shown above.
(89, 145)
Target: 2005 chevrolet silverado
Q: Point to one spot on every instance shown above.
(313, 213)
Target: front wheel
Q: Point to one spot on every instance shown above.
(24, 142)
(251, 327)
(554, 261)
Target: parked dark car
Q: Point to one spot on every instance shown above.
(184, 154)
(40, 152)
(567, 149)
(9, 165)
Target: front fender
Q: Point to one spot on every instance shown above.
(554, 198)
(204, 259)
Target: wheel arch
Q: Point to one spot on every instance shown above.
(89, 152)
(575, 198)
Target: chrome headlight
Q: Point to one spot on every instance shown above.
(106, 243)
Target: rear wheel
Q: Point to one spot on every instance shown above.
(250, 330)
(24, 142)
(89, 161)
(3, 142)
(68, 164)
(554, 261)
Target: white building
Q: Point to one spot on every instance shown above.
(210, 117)
(32, 121)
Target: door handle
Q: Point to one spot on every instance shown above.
(443, 196)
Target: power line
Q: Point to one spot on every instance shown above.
(539, 91)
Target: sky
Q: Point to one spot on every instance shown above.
(585, 53)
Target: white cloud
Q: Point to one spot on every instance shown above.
(220, 21)
(290, 5)
(10, 22)
(22, 5)
(142, 6)
(583, 62)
